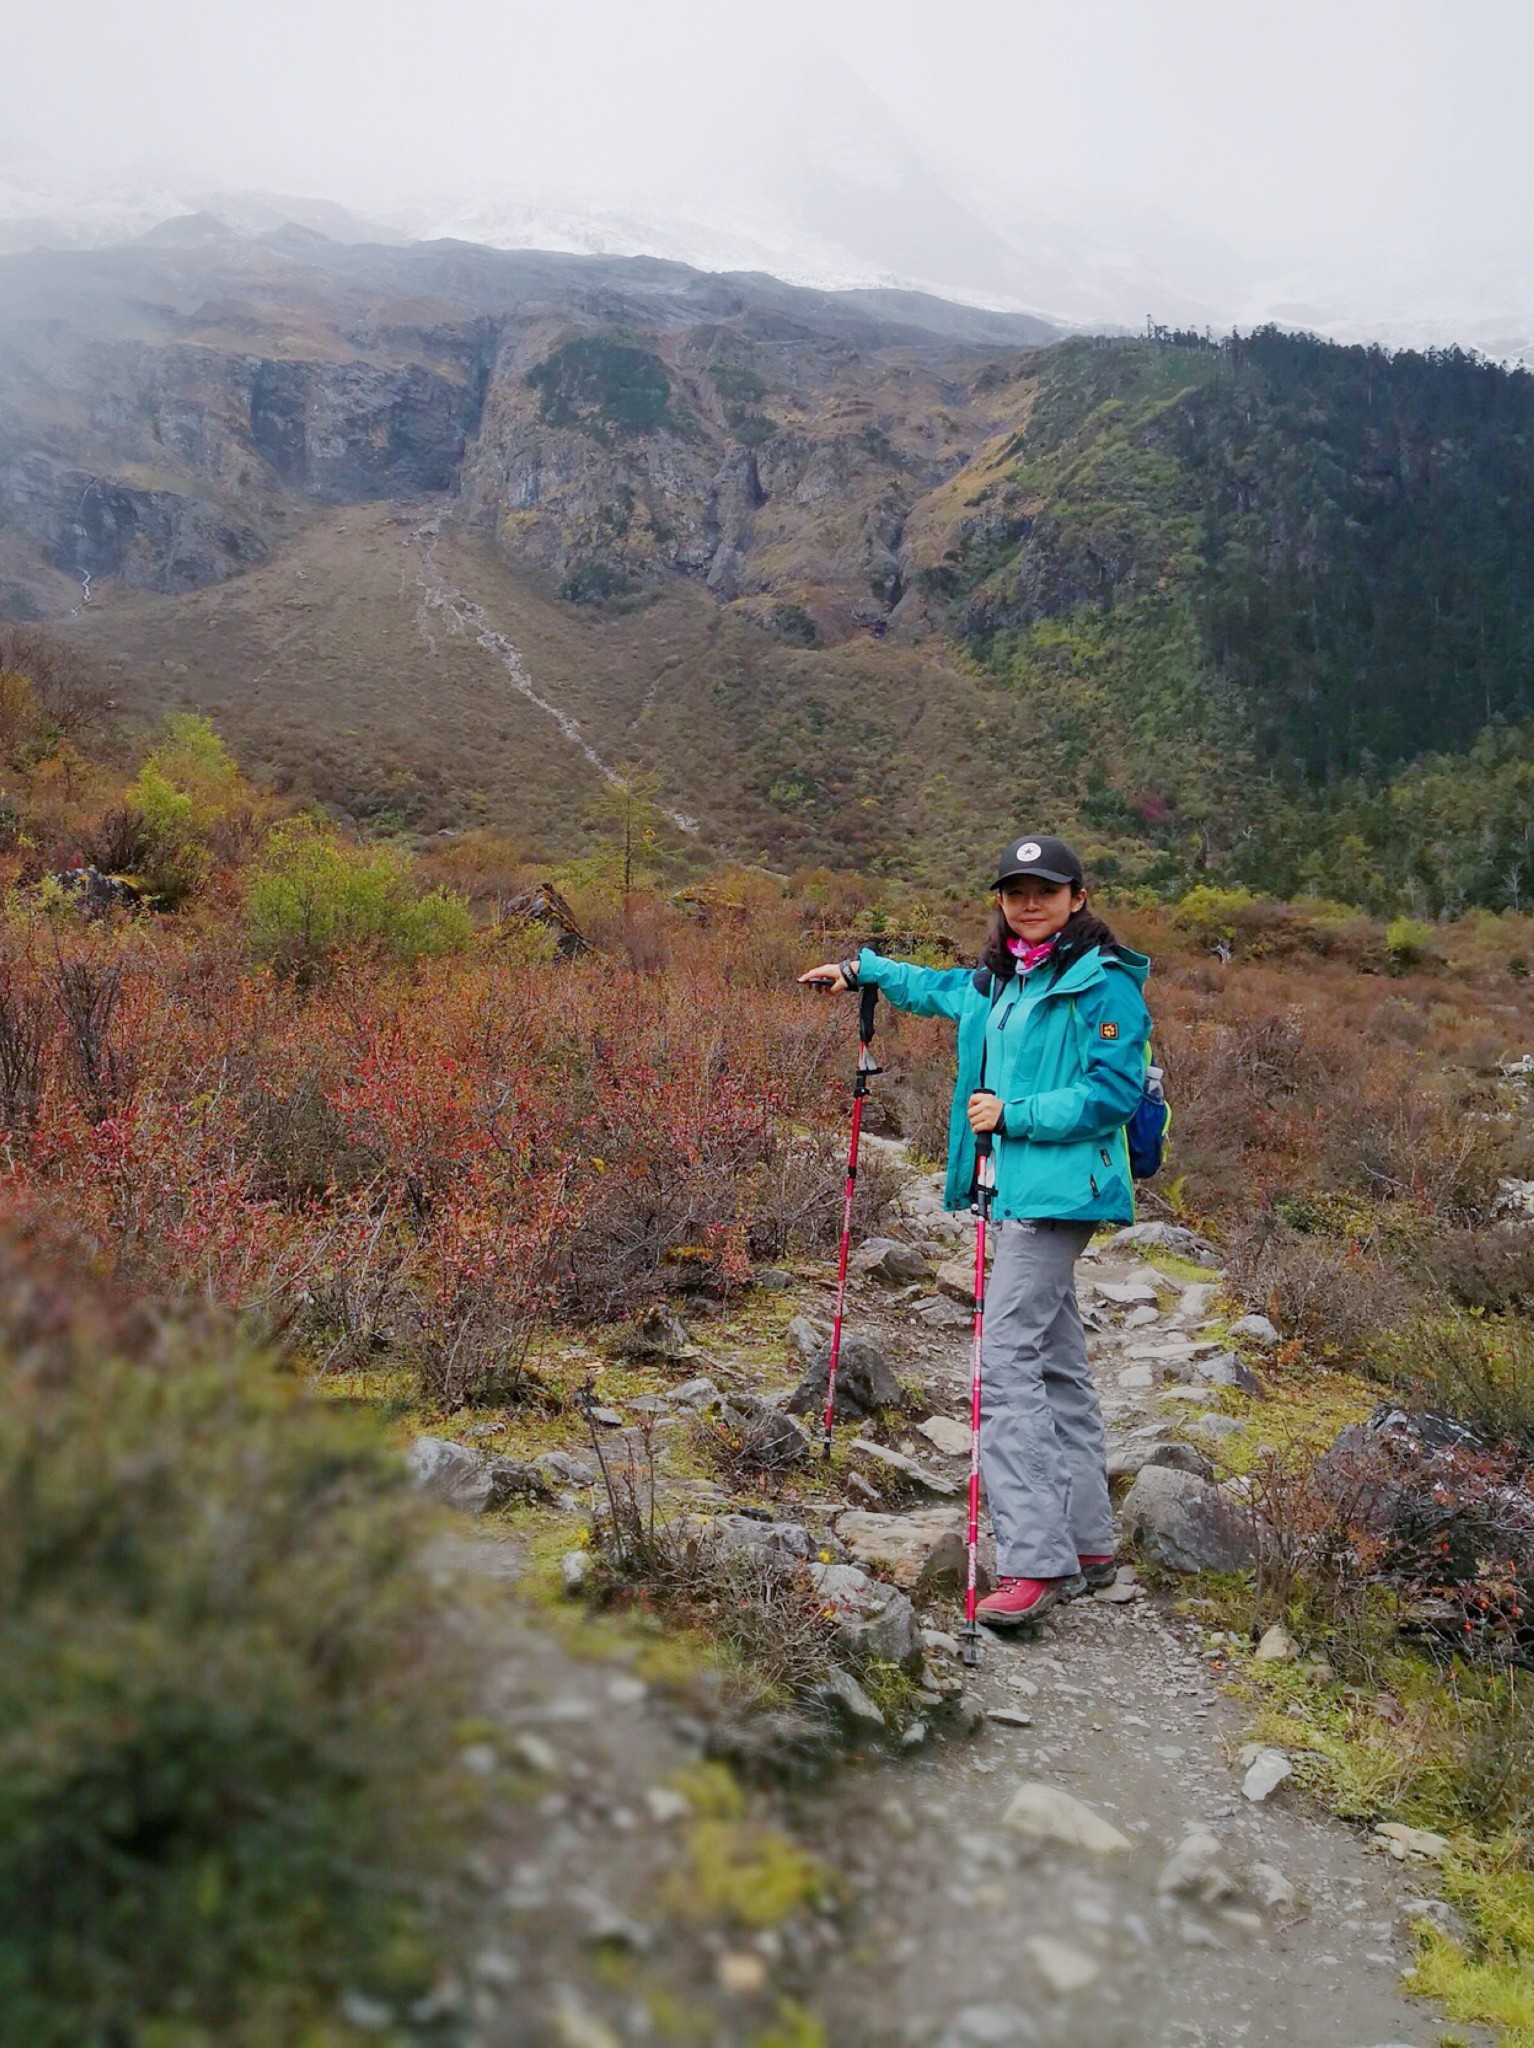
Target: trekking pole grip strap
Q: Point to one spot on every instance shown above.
(868, 1002)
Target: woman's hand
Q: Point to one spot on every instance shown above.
(984, 1111)
(829, 976)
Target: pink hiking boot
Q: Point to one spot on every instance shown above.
(1017, 1601)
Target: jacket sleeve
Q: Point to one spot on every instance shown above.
(1115, 1028)
(924, 991)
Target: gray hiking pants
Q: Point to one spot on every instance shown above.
(1043, 1450)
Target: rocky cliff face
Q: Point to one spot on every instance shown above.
(166, 413)
(169, 443)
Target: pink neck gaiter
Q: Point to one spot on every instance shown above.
(1028, 957)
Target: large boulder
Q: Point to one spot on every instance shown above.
(886, 1258)
(766, 1440)
(1185, 1524)
(923, 1552)
(875, 1623)
(1164, 1237)
(864, 1382)
(469, 1480)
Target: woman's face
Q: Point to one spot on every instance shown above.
(1035, 909)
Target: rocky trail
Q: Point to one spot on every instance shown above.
(1065, 1846)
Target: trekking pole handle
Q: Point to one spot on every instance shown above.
(868, 1003)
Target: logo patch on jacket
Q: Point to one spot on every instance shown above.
(1108, 1030)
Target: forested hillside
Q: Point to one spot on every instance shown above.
(1278, 576)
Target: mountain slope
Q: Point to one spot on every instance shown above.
(860, 578)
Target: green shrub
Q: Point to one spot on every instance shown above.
(227, 1698)
(1208, 914)
(1476, 1367)
(313, 898)
(186, 788)
(1408, 943)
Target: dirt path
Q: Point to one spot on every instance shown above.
(954, 1929)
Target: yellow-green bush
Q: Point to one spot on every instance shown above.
(186, 789)
(312, 898)
(226, 1699)
(1408, 943)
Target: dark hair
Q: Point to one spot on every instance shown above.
(1082, 930)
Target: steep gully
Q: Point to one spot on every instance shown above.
(441, 602)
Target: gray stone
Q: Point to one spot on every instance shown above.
(1218, 1425)
(1063, 1967)
(875, 1623)
(1164, 1237)
(367, 2015)
(946, 1435)
(938, 1312)
(989, 2026)
(1437, 1913)
(864, 1382)
(655, 1334)
(956, 1279)
(804, 1338)
(1193, 1870)
(1125, 1293)
(1277, 1646)
(563, 1466)
(747, 1534)
(1126, 1462)
(575, 1570)
(1257, 1330)
(897, 1461)
(886, 1258)
(449, 1472)
(922, 1552)
(1264, 1774)
(1186, 1524)
(696, 1393)
(841, 1691)
(772, 1279)
(1050, 1815)
(1270, 1888)
(1225, 1369)
(769, 1440)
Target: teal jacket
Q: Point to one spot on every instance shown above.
(1067, 1058)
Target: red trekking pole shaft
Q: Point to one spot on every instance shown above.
(866, 1067)
(985, 1181)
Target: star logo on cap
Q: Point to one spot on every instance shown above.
(1029, 850)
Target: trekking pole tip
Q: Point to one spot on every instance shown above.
(969, 1644)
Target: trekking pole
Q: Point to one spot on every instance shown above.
(867, 1002)
(985, 1184)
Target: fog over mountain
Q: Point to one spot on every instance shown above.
(1356, 170)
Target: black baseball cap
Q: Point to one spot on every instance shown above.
(1036, 853)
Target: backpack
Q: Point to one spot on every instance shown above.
(1147, 1128)
(1146, 1131)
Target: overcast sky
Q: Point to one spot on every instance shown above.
(1287, 130)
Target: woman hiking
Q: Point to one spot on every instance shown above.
(1051, 1058)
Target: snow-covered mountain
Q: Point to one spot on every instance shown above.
(47, 205)
(836, 194)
